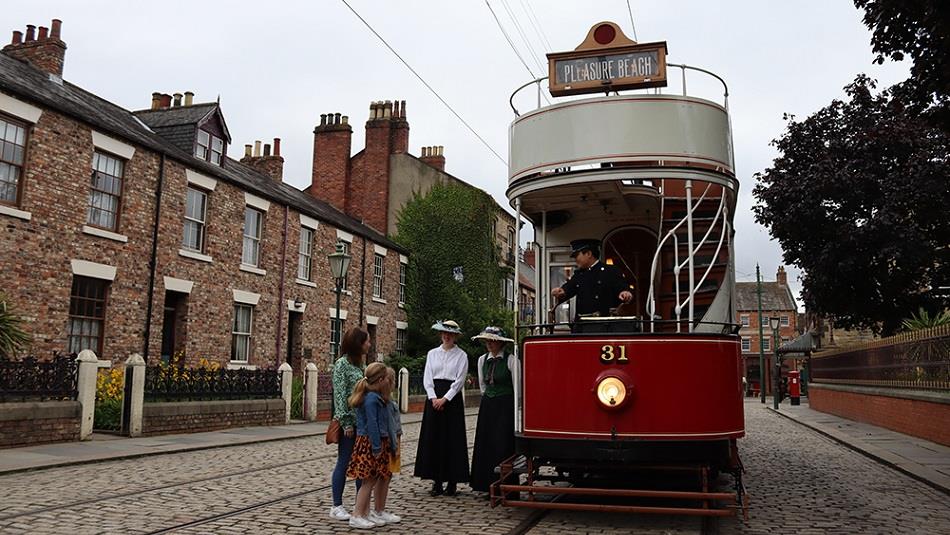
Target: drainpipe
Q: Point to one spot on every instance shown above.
(280, 290)
(362, 282)
(152, 265)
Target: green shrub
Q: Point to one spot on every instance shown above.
(108, 415)
(296, 399)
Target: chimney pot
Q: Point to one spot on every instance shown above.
(336, 118)
(30, 33)
(345, 120)
(395, 108)
(402, 109)
(323, 119)
(276, 146)
(441, 148)
(266, 149)
(166, 100)
(44, 33)
(177, 99)
(257, 149)
(55, 29)
(247, 150)
(189, 98)
(17, 37)
(387, 110)
(156, 100)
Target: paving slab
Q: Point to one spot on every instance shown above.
(921, 459)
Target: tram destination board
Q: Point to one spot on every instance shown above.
(607, 69)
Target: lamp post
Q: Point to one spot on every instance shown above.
(775, 323)
(339, 264)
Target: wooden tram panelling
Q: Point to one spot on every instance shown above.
(607, 61)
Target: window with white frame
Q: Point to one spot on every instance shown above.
(783, 321)
(767, 343)
(378, 275)
(305, 256)
(401, 341)
(510, 293)
(241, 332)
(106, 191)
(336, 331)
(209, 147)
(744, 320)
(402, 283)
(746, 345)
(12, 157)
(253, 223)
(196, 208)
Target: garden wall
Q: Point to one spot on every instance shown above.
(35, 422)
(196, 416)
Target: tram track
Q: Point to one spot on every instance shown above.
(172, 485)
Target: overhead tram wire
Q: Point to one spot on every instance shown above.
(426, 84)
(513, 47)
(524, 37)
(538, 29)
(632, 25)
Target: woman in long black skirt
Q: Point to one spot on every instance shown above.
(443, 446)
(495, 433)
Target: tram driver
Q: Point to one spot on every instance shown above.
(598, 287)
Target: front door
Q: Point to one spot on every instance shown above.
(294, 340)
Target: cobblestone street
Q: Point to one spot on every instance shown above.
(799, 481)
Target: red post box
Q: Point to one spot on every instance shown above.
(794, 386)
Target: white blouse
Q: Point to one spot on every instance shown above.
(451, 365)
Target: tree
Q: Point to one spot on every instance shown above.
(858, 199)
(450, 227)
(919, 30)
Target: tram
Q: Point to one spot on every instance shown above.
(640, 410)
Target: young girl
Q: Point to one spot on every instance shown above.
(395, 423)
(372, 450)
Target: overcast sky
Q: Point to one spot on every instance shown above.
(278, 65)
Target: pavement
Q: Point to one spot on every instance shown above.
(921, 459)
(105, 447)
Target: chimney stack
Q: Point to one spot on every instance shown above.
(434, 157)
(46, 52)
(330, 177)
(781, 277)
(189, 98)
(267, 164)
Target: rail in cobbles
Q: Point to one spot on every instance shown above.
(919, 360)
(31, 379)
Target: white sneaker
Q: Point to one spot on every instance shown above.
(339, 513)
(388, 517)
(361, 523)
(374, 517)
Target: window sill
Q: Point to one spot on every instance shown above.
(378, 300)
(194, 255)
(401, 305)
(102, 233)
(305, 283)
(240, 365)
(13, 212)
(254, 270)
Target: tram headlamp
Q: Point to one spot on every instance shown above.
(611, 391)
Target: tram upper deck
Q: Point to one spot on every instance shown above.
(652, 175)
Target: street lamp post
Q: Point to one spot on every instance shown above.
(339, 264)
(775, 323)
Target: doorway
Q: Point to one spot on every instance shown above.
(174, 324)
(295, 341)
(631, 249)
(372, 357)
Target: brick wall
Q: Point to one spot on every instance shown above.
(915, 417)
(31, 423)
(197, 416)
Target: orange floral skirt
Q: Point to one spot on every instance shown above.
(365, 465)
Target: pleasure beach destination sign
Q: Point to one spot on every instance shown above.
(607, 61)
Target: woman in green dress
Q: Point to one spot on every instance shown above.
(495, 433)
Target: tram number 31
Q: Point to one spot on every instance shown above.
(616, 354)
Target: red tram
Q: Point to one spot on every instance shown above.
(646, 405)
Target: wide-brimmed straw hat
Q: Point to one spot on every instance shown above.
(447, 326)
(492, 333)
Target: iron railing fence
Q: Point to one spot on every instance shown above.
(169, 383)
(31, 379)
(917, 360)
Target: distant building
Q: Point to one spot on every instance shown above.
(777, 300)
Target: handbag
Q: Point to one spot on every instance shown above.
(333, 432)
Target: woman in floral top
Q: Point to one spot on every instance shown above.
(347, 371)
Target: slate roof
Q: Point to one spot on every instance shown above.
(176, 116)
(21, 80)
(775, 296)
(800, 345)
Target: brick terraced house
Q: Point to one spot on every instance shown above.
(135, 232)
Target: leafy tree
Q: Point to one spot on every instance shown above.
(858, 199)
(919, 30)
(451, 227)
(13, 338)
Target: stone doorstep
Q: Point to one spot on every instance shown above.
(915, 470)
(200, 408)
(39, 410)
